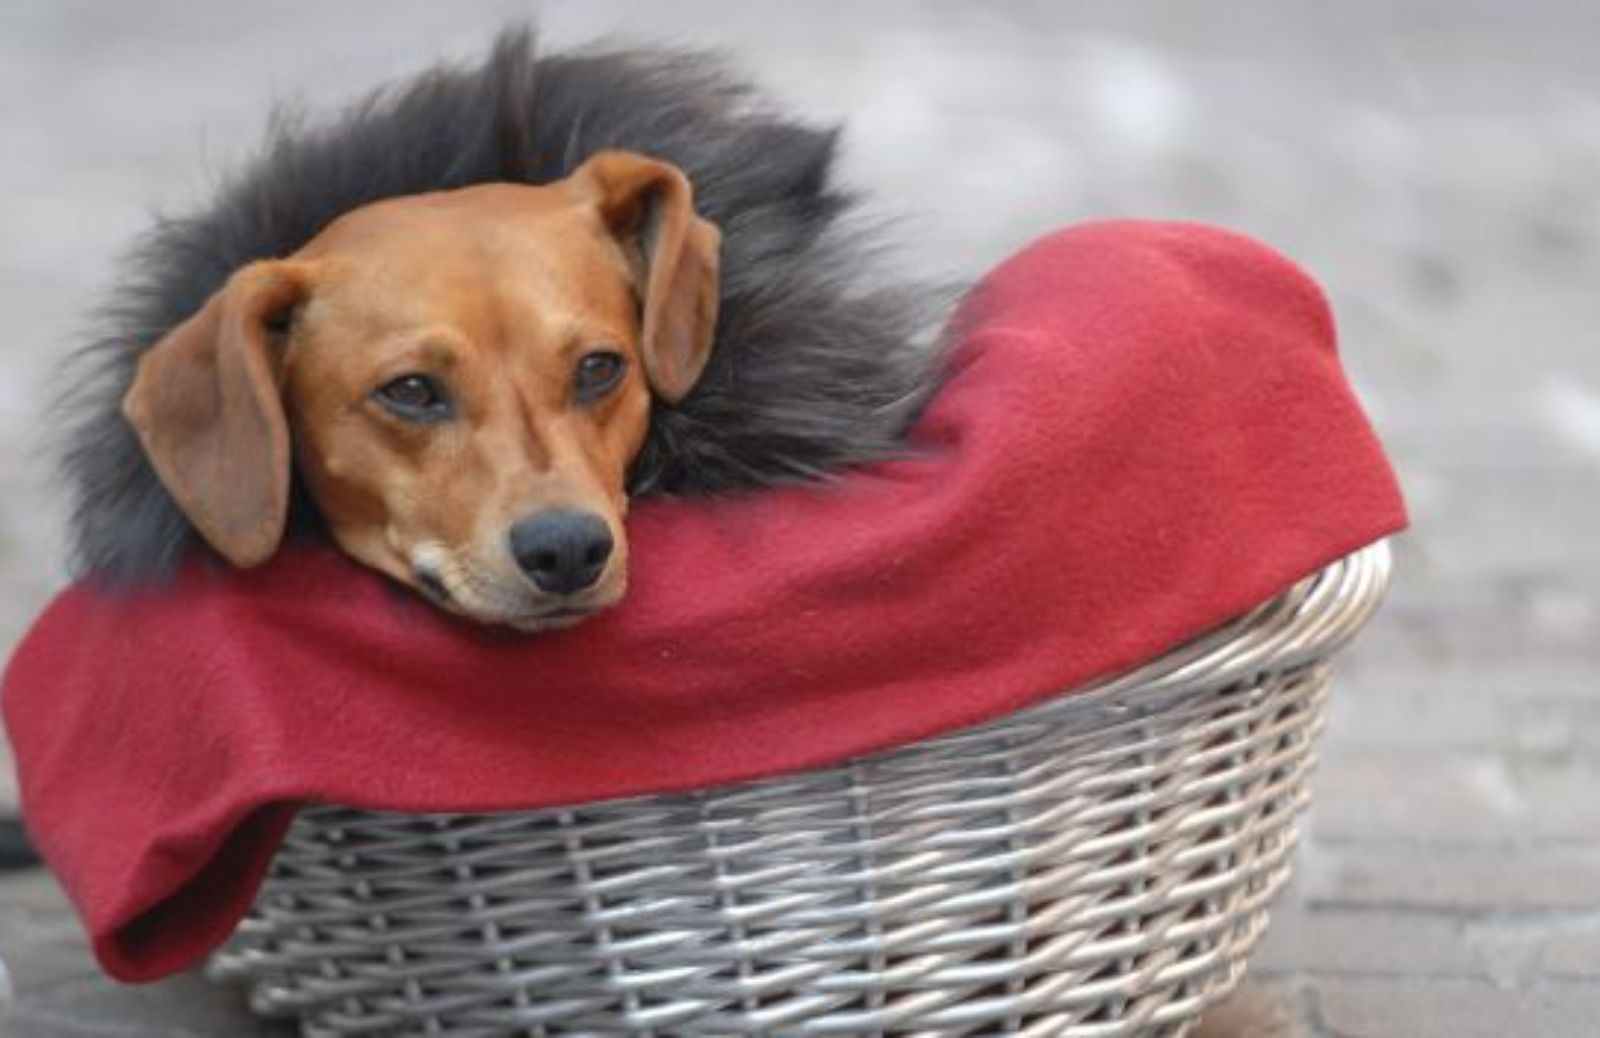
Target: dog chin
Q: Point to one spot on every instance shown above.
(562, 617)
(554, 619)
(558, 622)
(557, 617)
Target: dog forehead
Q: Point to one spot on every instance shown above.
(468, 251)
(447, 225)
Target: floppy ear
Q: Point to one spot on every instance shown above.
(649, 206)
(206, 406)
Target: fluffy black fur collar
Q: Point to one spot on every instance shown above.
(811, 371)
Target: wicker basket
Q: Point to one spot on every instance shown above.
(1097, 866)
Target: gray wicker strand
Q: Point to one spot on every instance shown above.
(1097, 866)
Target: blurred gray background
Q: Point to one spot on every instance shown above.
(1436, 163)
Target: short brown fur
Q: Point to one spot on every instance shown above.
(495, 291)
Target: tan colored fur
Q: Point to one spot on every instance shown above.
(496, 291)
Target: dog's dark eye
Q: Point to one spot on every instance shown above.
(598, 374)
(416, 398)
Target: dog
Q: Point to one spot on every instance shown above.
(468, 375)
(458, 328)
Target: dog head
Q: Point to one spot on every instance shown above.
(462, 380)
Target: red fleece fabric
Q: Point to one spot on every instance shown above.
(1146, 433)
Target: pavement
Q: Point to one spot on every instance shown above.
(1436, 163)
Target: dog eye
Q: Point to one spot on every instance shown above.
(598, 374)
(417, 398)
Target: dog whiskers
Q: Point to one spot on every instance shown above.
(457, 583)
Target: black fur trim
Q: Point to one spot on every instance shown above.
(16, 850)
(812, 369)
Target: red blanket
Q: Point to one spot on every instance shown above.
(1147, 432)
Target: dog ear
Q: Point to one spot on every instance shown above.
(207, 407)
(649, 207)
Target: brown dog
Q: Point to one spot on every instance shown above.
(462, 379)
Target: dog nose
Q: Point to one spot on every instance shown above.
(562, 551)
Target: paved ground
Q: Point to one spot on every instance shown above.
(1435, 162)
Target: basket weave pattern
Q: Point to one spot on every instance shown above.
(1097, 866)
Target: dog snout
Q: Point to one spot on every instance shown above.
(562, 552)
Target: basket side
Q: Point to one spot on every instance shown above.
(1099, 865)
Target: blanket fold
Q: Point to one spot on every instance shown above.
(1145, 432)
